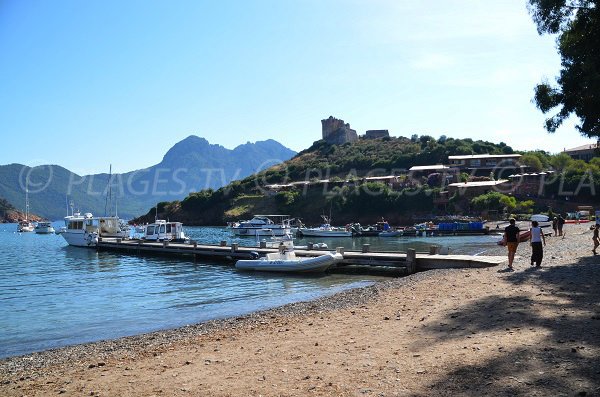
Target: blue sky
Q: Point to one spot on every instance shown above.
(89, 83)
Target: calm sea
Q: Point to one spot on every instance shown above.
(53, 295)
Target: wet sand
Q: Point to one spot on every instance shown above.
(533, 332)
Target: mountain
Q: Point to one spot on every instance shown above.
(191, 165)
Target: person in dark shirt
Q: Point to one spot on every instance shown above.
(595, 238)
(511, 236)
(561, 223)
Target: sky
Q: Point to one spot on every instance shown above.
(85, 84)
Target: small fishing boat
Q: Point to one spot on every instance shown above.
(325, 230)
(391, 233)
(369, 231)
(162, 230)
(44, 228)
(286, 261)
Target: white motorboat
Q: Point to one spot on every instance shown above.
(44, 228)
(325, 230)
(543, 220)
(263, 225)
(84, 230)
(162, 230)
(286, 261)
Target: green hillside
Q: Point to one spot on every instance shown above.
(362, 202)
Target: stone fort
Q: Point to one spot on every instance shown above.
(336, 132)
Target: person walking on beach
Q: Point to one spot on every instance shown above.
(511, 236)
(560, 223)
(536, 236)
(595, 238)
(555, 226)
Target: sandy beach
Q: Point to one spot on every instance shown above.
(466, 332)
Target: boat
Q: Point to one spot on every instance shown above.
(262, 225)
(85, 230)
(25, 225)
(162, 230)
(44, 228)
(543, 220)
(391, 233)
(285, 260)
(369, 231)
(288, 241)
(325, 230)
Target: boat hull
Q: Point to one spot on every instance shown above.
(395, 233)
(260, 232)
(317, 264)
(79, 239)
(324, 233)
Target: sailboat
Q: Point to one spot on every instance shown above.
(25, 225)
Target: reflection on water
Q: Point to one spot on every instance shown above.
(457, 244)
(54, 295)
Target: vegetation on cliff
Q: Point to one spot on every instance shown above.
(8, 213)
(362, 201)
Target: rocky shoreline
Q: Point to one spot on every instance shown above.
(456, 332)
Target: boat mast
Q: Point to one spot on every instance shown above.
(108, 199)
(26, 200)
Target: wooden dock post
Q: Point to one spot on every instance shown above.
(195, 244)
(339, 250)
(262, 244)
(309, 246)
(432, 250)
(119, 241)
(234, 247)
(366, 248)
(411, 261)
(165, 243)
(223, 243)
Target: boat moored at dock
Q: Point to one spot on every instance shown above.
(285, 260)
(84, 230)
(162, 230)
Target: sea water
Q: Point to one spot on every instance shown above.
(53, 295)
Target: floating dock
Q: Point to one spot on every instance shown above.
(354, 261)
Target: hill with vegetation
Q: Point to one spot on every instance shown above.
(9, 214)
(361, 201)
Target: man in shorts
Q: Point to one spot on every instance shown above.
(511, 236)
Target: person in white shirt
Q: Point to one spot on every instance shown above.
(536, 237)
